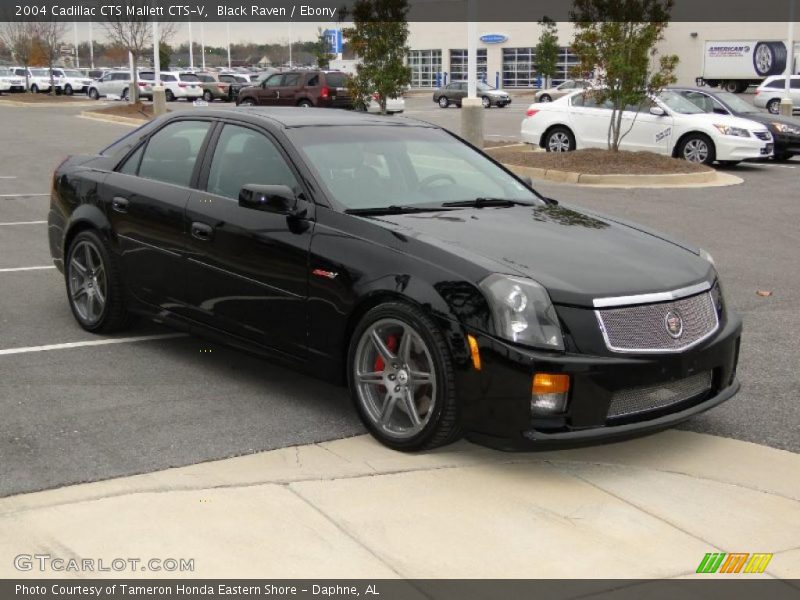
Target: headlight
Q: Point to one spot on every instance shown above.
(784, 128)
(522, 311)
(736, 131)
(704, 254)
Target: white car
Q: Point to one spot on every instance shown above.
(668, 124)
(393, 105)
(38, 79)
(73, 81)
(771, 91)
(181, 85)
(10, 82)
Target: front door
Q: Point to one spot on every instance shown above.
(248, 269)
(290, 87)
(645, 132)
(269, 91)
(145, 201)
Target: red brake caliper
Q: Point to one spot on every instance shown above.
(391, 344)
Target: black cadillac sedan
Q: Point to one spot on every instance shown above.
(785, 130)
(391, 256)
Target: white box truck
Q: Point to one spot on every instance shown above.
(737, 64)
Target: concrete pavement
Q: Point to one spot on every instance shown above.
(647, 508)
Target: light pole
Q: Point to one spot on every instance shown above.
(472, 106)
(787, 106)
(191, 49)
(91, 46)
(229, 43)
(203, 44)
(75, 36)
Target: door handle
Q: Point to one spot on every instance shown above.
(202, 232)
(120, 204)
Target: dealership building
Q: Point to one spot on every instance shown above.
(507, 57)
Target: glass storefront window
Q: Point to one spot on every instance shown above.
(426, 66)
(458, 65)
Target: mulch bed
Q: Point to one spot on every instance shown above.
(596, 162)
(40, 98)
(134, 111)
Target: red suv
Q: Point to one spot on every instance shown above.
(325, 89)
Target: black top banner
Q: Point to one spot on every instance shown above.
(338, 10)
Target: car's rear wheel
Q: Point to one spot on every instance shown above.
(125, 95)
(94, 285)
(402, 379)
(774, 106)
(545, 98)
(94, 94)
(208, 96)
(697, 148)
(68, 90)
(559, 139)
(731, 86)
(443, 102)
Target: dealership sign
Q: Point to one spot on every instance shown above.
(494, 38)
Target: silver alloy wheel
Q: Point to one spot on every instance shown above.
(558, 142)
(443, 102)
(486, 102)
(545, 98)
(88, 287)
(395, 387)
(695, 151)
(246, 102)
(774, 107)
(763, 58)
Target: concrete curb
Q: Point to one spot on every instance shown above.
(78, 104)
(330, 510)
(702, 179)
(91, 114)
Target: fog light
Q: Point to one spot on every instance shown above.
(549, 393)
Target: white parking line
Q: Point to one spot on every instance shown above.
(14, 269)
(8, 176)
(21, 195)
(778, 166)
(103, 342)
(23, 223)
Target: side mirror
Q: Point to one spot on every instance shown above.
(277, 199)
(527, 181)
(657, 111)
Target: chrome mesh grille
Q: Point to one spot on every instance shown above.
(642, 327)
(633, 400)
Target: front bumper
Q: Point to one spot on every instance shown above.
(497, 398)
(786, 143)
(738, 148)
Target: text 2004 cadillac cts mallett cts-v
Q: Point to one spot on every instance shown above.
(387, 253)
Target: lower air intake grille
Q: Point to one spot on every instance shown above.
(633, 400)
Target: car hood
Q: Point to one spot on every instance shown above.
(729, 120)
(766, 119)
(575, 254)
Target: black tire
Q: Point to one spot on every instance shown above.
(170, 97)
(443, 102)
(486, 101)
(729, 163)
(690, 146)
(731, 86)
(545, 98)
(208, 96)
(94, 94)
(247, 102)
(444, 424)
(769, 58)
(305, 104)
(68, 90)
(34, 89)
(782, 156)
(774, 106)
(124, 95)
(559, 139)
(114, 315)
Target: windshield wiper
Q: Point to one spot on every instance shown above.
(481, 202)
(394, 209)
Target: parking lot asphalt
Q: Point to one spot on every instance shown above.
(94, 412)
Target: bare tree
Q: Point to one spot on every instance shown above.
(49, 34)
(19, 37)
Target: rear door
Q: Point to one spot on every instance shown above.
(248, 269)
(145, 200)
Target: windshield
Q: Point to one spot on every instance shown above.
(736, 103)
(73, 73)
(484, 86)
(40, 73)
(679, 104)
(383, 166)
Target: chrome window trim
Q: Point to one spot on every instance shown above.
(613, 348)
(652, 298)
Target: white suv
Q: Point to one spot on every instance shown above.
(38, 79)
(181, 85)
(10, 82)
(73, 80)
(772, 89)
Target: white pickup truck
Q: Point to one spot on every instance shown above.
(736, 64)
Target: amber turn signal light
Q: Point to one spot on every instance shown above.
(474, 352)
(550, 383)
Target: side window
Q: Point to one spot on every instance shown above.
(777, 84)
(131, 166)
(794, 84)
(273, 80)
(718, 108)
(245, 156)
(567, 85)
(291, 79)
(172, 152)
(313, 81)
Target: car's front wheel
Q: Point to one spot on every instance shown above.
(247, 102)
(697, 148)
(94, 285)
(782, 156)
(486, 102)
(402, 380)
(559, 139)
(68, 90)
(443, 102)
(35, 89)
(94, 94)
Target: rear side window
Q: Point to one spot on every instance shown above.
(313, 81)
(336, 80)
(795, 84)
(189, 77)
(245, 156)
(167, 78)
(778, 83)
(171, 153)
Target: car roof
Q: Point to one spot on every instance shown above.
(292, 116)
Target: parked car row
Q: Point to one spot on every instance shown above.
(453, 93)
(696, 124)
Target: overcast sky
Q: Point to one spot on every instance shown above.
(215, 33)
